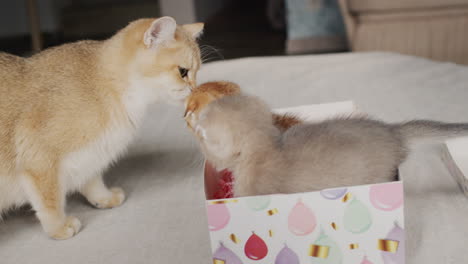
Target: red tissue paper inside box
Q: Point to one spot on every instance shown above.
(218, 184)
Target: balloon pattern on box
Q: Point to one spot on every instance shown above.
(386, 197)
(301, 220)
(396, 234)
(336, 226)
(287, 256)
(218, 216)
(365, 260)
(225, 254)
(357, 218)
(255, 248)
(258, 203)
(334, 253)
(333, 194)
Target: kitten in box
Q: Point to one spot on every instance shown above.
(238, 132)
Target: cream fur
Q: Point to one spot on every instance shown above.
(67, 113)
(239, 133)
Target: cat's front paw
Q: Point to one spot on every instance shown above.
(115, 198)
(70, 228)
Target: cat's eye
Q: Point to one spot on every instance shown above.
(183, 72)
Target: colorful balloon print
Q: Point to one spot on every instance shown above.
(334, 252)
(225, 254)
(255, 248)
(258, 203)
(301, 220)
(333, 194)
(386, 197)
(396, 234)
(287, 256)
(218, 216)
(357, 218)
(365, 260)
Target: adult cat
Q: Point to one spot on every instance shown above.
(70, 111)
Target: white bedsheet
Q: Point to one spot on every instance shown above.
(163, 220)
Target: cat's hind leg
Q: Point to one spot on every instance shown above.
(97, 193)
(47, 196)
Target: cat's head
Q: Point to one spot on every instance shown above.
(203, 95)
(230, 128)
(163, 57)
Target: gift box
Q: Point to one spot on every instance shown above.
(353, 224)
(455, 158)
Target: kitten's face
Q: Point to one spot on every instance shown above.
(203, 95)
(218, 144)
(229, 126)
(168, 63)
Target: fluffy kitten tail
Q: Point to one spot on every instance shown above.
(426, 130)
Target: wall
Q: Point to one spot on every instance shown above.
(206, 8)
(14, 20)
(190, 11)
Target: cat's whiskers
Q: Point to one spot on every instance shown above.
(206, 51)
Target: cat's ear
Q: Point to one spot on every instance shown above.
(162, 30)
(195, 29)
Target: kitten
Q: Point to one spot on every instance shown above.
(68, 112)
(208, 92)
(237, 132)
(200, 97)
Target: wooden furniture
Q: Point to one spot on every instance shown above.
(34, 25)
(432, 29)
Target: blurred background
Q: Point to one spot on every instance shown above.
(434, 29)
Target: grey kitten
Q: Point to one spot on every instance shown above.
(237, 132)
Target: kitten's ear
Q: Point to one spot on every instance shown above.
(161, 31)
(195, 29)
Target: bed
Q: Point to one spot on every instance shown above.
(163, 219)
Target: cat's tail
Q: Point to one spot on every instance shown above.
(417, 131)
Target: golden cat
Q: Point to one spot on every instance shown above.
(206, 93)
(70, 111)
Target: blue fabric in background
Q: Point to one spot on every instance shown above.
(313, 18)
